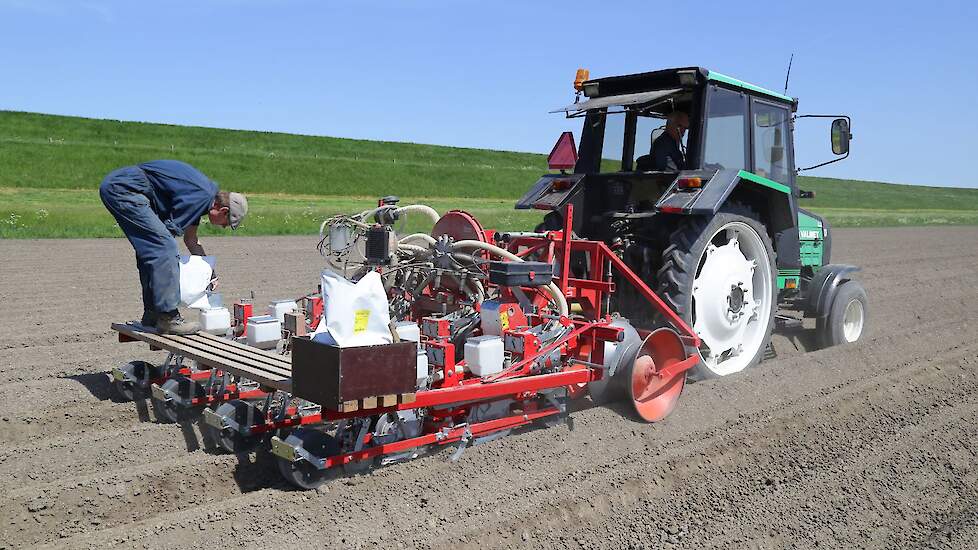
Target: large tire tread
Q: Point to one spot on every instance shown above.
(680, 262)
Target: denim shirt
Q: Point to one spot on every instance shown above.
(180, 193)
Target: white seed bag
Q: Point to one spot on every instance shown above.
(195, 274)
(354, 314)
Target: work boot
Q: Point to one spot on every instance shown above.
(174, 323)
(149, 319)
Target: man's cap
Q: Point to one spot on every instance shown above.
(237, 209)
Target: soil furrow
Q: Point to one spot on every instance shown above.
(868, 446)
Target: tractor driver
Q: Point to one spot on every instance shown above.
(153, 203)
(667, 149)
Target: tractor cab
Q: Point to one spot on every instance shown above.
(731, 124)
(734, 131)
(691, 176)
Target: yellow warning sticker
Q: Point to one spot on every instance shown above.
(360, 319)
(504, 320)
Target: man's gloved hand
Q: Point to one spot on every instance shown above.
(213, 284)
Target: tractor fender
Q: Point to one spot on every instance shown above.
(717, 186)
(762, 194)
(825, 285)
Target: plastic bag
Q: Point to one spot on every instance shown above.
(354, 314)
(195, 276)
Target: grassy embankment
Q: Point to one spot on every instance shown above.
(50, 168)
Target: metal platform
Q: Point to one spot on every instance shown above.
(268, 369)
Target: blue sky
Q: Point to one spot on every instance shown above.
(485, 74)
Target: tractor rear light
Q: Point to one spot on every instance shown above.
(671, 210)
(689, 183)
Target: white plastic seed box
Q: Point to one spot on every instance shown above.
(215, 320)
(264, 331)
(279, 308)
(408, 331)
(484, 355)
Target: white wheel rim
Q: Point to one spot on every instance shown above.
(732, 298)
(852, 321)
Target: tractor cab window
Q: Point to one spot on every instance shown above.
(770, 136)
(647, 129)
(726, 134)
(622, 128)
(614, 142)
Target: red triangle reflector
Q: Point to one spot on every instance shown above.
(564, 154)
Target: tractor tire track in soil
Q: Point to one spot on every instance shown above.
(872, 445)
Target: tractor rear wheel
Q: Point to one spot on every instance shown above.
(719, 275)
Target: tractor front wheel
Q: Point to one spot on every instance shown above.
(846, 321)
(719, 275)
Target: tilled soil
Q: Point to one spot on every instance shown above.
(869, 446)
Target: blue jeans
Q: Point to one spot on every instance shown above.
(124, 193)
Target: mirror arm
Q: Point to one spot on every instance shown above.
(844, 157)
(823, 116)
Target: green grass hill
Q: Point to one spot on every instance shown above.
(50, 167)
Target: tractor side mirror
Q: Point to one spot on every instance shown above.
(840, 136)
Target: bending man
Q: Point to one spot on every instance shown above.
(153, 203)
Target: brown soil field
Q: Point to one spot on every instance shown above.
(871, 445)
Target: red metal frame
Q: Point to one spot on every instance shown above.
(441, 437)
(593, 291)
(231, 392)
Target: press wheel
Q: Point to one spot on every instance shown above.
(134, 382)
(301, 473)
(242, 413)
(184, 388)
(653, 397)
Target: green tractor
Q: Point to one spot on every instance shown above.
(707, 215)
